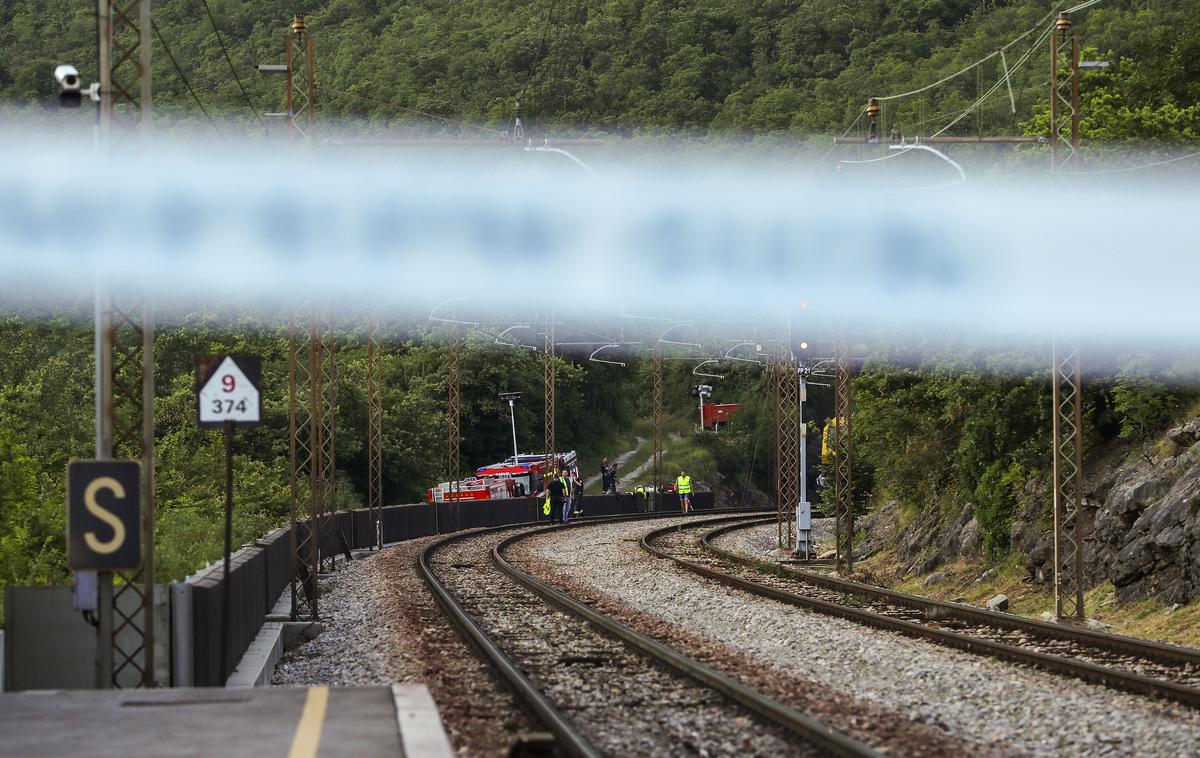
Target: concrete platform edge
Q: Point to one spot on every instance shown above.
(420, 725)
(258, 663)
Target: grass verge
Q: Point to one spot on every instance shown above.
(1150, 618)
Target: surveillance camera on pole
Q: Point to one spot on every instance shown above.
(68, 78)
(69, 95)
(70, 87)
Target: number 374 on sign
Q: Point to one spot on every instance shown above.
(227, 390)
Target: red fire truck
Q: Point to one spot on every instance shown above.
(496, 481)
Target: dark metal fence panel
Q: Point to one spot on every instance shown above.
(276, 564)
(247, 605)
(344, 521)
(361, 537)
(206, 631)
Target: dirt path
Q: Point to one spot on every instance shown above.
(633, 475)
(620, 461)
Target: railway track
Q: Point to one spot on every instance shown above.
(597, 685)
(1140, 666)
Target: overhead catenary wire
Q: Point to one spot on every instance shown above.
(540, 50)
(996, 87)
(835, 142)
(1138, 167)
(232, 69)
(888, 157)
(182, 76)
(959, 115)
(987, 57)
(939, 117)
(1006, 79)
(1047, 30)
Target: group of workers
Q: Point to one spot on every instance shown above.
(562, 491)
(562, 494)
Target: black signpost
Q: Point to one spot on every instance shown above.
(227, 396)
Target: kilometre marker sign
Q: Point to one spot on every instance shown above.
(229, 391)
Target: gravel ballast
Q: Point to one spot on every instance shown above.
(616, 696)
(1007, 707)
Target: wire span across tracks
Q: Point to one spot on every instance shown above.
(826, 739)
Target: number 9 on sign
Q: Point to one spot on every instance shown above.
(227, 391)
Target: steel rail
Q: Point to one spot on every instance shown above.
(569, 738)
(943, 609)
(1086, 671)
(823, 736)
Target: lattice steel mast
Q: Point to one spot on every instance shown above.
(1068, 480)
(374, 434)
(301, 89)
(303, 445)
(549, 376)
(1067, 384)
(843, 458)
(124, 346)
(656, 399)
(1064, 96)
(787, 446)
(125, 429)
(453, 412)
(124, 32)
(325, 412)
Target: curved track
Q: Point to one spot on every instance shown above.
(1140, 666)
(598, 685)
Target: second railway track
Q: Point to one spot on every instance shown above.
(599, 686)
(1139, 666)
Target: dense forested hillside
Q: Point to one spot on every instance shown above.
(636, 65)
(47, 416)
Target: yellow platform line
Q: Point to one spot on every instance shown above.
(312, 720)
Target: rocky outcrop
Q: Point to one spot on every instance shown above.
(924, 543)
(880, 529)
(1158, 553)
(1141, 523)
(1185, 436)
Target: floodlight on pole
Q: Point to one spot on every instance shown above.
(511, 397)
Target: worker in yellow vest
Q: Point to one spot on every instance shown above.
(565, 481)
(683, 485)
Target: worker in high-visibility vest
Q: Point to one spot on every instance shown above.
(567, 499)
(683, 485)
(554, 492)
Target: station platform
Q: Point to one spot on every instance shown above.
(401, 720)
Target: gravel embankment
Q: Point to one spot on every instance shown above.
(683, 545)
(381, 626)
(1009, 708)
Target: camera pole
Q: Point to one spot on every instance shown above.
(124, 336)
